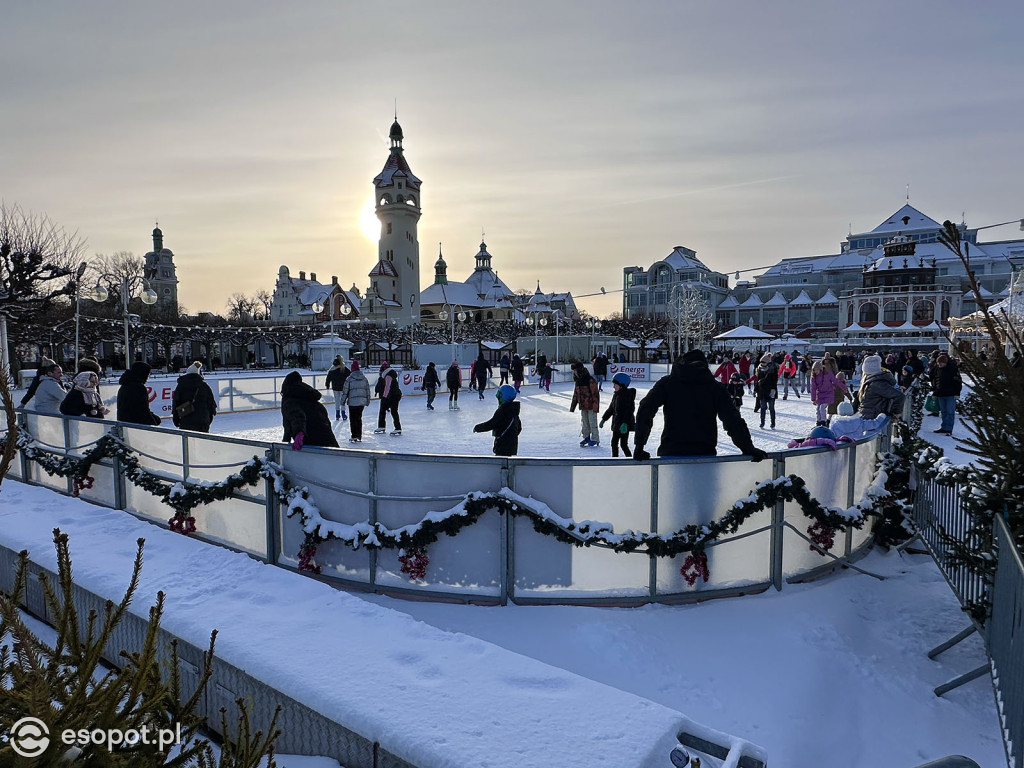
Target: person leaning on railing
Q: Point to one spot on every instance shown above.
(49, 392)
(693, 401)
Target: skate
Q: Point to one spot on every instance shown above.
(354, 440)
(379, 431)
(344, 416)
(583, 443)
(456, 407)
(396, 433)
(337, 415)
(593, 444)
(451, 406)
(430, 407)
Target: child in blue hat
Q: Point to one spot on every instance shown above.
(504, 425)
(622, 413)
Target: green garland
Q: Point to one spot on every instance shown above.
(185, 496)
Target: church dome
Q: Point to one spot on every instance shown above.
(396, 131)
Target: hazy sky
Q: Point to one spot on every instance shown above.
(582, 136)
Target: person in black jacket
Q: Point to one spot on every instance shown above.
(304, 417)
(335, 381)
(390, 393)
(504, 424)
(621, 412)
(431, 381)
(516, 369)
(193, 403)
(766, 387)
(692, 400)
(600, 362)
(947, 383)
(481, 372)
(453, 380)
(133, 396)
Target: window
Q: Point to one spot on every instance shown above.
(895, 312)
(868, 314)
(849, 315)
(388, 228)
(924, 312)
(944, 314)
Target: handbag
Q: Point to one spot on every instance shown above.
(931, 404)
(186, 409)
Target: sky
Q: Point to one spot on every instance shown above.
(580, 137)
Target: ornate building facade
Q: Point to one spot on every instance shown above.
(159, 270)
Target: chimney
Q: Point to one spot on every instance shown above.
(312, 276)
(302, 275)
(334, 279)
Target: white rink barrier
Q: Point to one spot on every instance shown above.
(500, 558)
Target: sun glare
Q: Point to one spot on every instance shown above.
(368, 222)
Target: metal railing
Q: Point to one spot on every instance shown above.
(500, 558)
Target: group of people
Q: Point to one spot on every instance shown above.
(193, 402)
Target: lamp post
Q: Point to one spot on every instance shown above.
(452, 310)
(78, 308)
(148, 296)
(593, 326)
(318, 307)
(537, 321)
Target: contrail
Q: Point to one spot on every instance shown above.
(684, 193)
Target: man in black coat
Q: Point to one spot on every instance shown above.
(305, 419)
(133, 396)
(692, 400)
(194, 405)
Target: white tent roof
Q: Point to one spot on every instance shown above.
(828, 298)
(802, 299)
(730, 301)
(778, 300)
(753, 300)
(743, 332)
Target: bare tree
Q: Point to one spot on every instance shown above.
(239, 308)
(690, 320)
(35, 255)
(262, 299)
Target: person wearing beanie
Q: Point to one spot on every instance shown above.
(766, 383)
(133, 396)
(356, 395)
(850, 424)
(947, 383)
(516, 369)
(725, 371)
(390, 393)
(193, 404)
(504, 423)
(431, 381)
(587, 396)
(303, 416)
(481, 373)
(879, 393)
(693, 402)
(84, 397)
(621, 412)
(90, 364)
(453, 380)
(335, 381)
(787, 375)
(735, 387)
(49, 391)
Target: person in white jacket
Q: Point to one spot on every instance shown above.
(855, 426)
(51, 392)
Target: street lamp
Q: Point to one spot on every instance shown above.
(452, 311)
(537, 322)
(593, 326)
(148, 296)
(78, 308)
(318, 307)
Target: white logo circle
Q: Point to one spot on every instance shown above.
(30, 737)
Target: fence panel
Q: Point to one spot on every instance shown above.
(827, 474)
(938, 513)
(1005, 638)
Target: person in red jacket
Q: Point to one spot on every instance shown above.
(725, 371)
(787, 375)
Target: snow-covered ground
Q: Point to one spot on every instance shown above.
(831, 673)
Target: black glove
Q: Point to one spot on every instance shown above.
(756, 454)
(477, 428)
(639, 454)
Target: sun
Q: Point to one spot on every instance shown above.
(368, 222)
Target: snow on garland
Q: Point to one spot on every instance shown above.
(413, 540)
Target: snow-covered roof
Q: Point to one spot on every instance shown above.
(384, 268)
(743, 332)
(495, 345)
(915, 220)
(778, 300)
(729, 303)
(310, 291)
(487, 282)
(752, 301)
(855, 328)
(396, 167)
(828, 298)
(801, 299)
(454, 293)
(634, 344)
(985, 293)
(682, 258)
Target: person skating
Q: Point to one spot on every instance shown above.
(356, 395)
(824, 383)
(586, 395)
(692, 401)
(516, 368)
(49, 392)
(303, 416)
(431, 382)
(481, 372)
(503, 366)
(84, 397)
(453, 380)
(133, 396)
(879, 392)
(621, 411)
(504, 423)
(390, 393)
(600, 363)
(735, 387)
(193, 405)
(336, 382)
(787, 373)
(766, 387)
(726, 370)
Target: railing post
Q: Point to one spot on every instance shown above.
(120, 492)
(778, 517)
(851, 489)
(26, 467)
(372, 513)
(505, 575)
(66, 429)
(273, 510)
(231, 395)
(652, 575)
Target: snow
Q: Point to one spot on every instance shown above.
(833, 672)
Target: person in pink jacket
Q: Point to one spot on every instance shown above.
(823, 386)
(787, 377)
